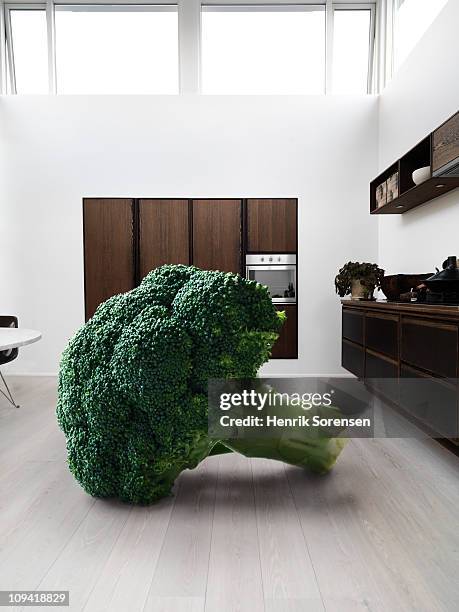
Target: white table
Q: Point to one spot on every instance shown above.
(11, 338)
(14, 337)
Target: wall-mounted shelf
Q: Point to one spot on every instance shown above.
(439, 150)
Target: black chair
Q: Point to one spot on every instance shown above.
(8, 355)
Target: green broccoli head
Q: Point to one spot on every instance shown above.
(133, 380)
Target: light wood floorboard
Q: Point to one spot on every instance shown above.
(183, 563)
(235, 578)
(379, 533)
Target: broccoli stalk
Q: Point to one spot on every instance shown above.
(318, 453)
(132, 397)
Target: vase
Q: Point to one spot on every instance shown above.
(360, 291)
(421, 175)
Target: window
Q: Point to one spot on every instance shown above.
(28, 51)
(192, 46)
(351, 50)
(263, 50)
(412, 19)
(116, 50)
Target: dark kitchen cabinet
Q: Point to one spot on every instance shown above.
(109, 262)
(353, 358)
(217, 235)
(126, 238)
(440, 151)
(432, 400)
(381, 374)
(286, 346)
(381, 334)
(430, 345)
(408, 353)
(352, 325)
(163, 234)
(272, 226)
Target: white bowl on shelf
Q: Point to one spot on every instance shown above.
(421, 175)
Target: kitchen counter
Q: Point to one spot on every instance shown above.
(424, 309)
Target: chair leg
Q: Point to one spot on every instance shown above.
(9, 397)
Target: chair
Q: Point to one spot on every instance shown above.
(8, 355)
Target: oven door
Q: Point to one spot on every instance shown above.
(280, 281)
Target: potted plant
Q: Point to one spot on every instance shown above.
(359, 280)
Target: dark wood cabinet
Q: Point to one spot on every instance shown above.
(109, 259)
(272, 226)
(353, 358)
(431, 400)
(126, 238)
(440, 151)
(217, 234)
(163, 234)
(409, 353)
(430, 345)
(286, 346)
(381, 334)
(381, 373)
(352, 325)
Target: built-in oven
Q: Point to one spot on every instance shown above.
(276, 272)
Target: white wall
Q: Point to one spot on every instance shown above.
(423, 94)
(60, 149)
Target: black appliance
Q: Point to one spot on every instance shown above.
(443, 287)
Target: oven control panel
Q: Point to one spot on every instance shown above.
(269, 259)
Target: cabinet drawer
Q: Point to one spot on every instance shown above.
(382, 374)
(430, 346)
(352, 325)
(353, 358)
(430, 400)
(381, 334)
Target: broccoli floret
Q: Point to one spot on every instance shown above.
(133, 380)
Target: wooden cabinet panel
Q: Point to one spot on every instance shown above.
(286, 346)
(430, 346)
(381, 334)
(352, 325)
(108, 249)
(272, 226)
(381, 373)
(420, 376)
(217, 235)
(163, 234)
(353, 358)
(445, 143)
(431, 400)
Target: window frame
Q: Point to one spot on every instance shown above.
(371, 40)
(107, 7)
(284, 6)
(189, 34)
(7, 56)
(9, 50)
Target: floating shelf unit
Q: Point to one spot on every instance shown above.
(428, 152)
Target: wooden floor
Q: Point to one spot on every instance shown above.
(381, 532)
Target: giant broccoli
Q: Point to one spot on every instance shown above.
(133, 380)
